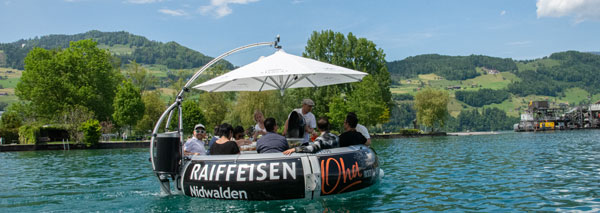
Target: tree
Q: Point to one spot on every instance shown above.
(140, 77)
(432, 107)
(192, 115)
(128, 104)
(366, 101)
(153, 108)
(354, 53)
(72, 118)
(10, 120)
(91, 132)
(55, 80)
(268, 102)
(214, 107)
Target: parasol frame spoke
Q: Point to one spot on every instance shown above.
(297, 80)
(308, 79)
(275, 82)
(263, 83)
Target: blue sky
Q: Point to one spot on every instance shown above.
(519, 29)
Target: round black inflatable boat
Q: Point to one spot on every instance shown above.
(273, 176)
(252, 176)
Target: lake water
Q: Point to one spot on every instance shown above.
(551, 171)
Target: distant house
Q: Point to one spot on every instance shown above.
(490, 71)
(452, 87)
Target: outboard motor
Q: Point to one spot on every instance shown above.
(167, 158)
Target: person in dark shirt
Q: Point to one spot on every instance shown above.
(224, 145)
(271, 142)
(351, 136)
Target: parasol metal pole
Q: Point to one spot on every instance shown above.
(179, 98)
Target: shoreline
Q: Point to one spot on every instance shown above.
(472, 133)
(146, 144)
(100, 145)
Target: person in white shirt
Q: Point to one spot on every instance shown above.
(363, 130)
(195, 145)
(310, 122)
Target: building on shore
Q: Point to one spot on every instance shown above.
(539, 116)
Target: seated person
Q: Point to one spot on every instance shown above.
(351, 136)
(271, 142)
(363, 130)
(215, 137)
(326, 140)
(259, 128)
(238, 135)
(195, 145)
(225, 146)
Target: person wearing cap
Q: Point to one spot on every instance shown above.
(195, 145)
(309, 119)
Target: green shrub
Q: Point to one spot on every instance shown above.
(28, 134)
(91, 132)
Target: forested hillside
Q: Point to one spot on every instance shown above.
(124, 45)
(449, 67)
(573, 69)
(489, 93)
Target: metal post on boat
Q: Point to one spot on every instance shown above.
(162, 162)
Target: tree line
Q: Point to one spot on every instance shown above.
(449, 67)
(576, 69)
(486, 119)
(482, 97)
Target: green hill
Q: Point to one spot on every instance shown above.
(124, 45)
(566, 77)
(448, 67)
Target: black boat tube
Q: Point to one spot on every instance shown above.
(278, 177)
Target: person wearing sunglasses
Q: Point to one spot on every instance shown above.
(195, 145)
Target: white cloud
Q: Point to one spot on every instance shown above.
(220, 8)
(142, 1)
(580, 9)
(503, 13)
(173, 12)
(518, 43)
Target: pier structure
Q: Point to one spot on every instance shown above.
(539, 116)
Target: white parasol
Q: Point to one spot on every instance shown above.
(280, 71)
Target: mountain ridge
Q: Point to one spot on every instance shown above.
(126, 46)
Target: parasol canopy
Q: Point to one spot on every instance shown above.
(280, 71)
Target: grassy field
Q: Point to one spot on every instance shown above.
(492, 81)
(523, 66)
(7, 93)
(513, 106)
(117, 49)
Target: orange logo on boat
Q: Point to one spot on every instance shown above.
(346, 175)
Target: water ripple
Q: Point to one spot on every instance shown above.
(552, 171)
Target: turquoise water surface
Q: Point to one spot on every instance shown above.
(551, 171)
